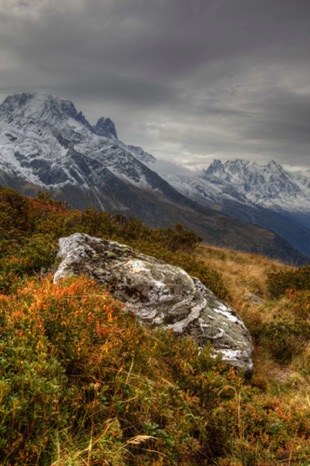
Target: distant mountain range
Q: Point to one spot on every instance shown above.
(265, 195)
(46, 144)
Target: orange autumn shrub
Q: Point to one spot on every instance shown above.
(82, 382)
(30, 229)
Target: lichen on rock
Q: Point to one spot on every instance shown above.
(159, 294)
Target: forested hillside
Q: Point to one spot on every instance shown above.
(83, 383)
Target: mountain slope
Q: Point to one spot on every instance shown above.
(45, 143)
(268, 186)
(265, 195)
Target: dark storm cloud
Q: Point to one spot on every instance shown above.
(281, 115)
(196, 78)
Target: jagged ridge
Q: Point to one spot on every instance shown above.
(47, 144)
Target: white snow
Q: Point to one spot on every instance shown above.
(40, 120)
(75, 124)
(245, 182)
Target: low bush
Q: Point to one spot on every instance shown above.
(287, 334)
(31, 228)
(282, 280)
(82, 382)
(33, 255)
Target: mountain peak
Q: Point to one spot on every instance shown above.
(261, 184)
(105, 127)
(216, 166)
(274, 167)
(38, 106)
(240, 167)
(52, 110)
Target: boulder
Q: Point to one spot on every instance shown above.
(159, 294)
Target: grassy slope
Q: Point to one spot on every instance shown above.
(82, 383)
(280, 327)
(246, 277)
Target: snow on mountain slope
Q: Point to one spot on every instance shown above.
(41, 137)
(266, 195)
(267, 185)
(302, 179)
(39, 131)
(52, 110)
(45, 143)
(145, 157)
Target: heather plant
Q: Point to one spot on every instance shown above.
(41, 221)
(15, 219)
(287, 335)
(83, 383)
(32, 255)
(73, 361)
(286, 279)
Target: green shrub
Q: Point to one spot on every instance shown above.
(286, 339)
(82, 382)
(73, 362)
(33, 255)
(34, 225)
(297, 279)
(288, 334)
(15, 215)
(32, 385)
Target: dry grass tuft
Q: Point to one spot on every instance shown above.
(242, 272)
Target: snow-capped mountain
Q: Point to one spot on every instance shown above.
(46, 144)
(267, 195)
(269, 185)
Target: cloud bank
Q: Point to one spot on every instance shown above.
(188, 80)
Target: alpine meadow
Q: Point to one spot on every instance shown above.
(84, 383)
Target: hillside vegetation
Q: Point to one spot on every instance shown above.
(83, 383)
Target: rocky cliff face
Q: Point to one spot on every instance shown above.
(159, 294)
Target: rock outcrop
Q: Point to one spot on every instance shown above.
(159, 294)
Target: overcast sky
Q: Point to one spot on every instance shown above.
(188, 80)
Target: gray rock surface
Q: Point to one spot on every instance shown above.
(253, 298)
(159, 294)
